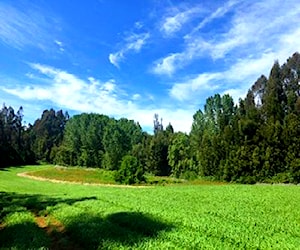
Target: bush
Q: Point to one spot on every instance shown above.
(189, 175)
(295, 171)
(285, 177)
(246, 180)
(130, 172)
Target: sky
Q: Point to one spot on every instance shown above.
(135, 58)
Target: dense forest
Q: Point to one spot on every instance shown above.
(254, 140)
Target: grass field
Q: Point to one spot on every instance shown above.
(42, 215)
(101, 176)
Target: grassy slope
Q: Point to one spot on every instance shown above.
(101, 176)
(76, 174)
(180, 217)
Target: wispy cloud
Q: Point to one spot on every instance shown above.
(60, 45)
(188, 89)
(68, 91)
(250, 29)
(218, 13)
(174, 61)
(236, 79)
(20, 27)
(173, 22)
(134, 43)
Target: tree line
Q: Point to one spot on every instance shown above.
(255, 140)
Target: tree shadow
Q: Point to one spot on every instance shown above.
(120, 229)
(21, 165)
(25, 233)
(13, 202)
(7, 168)
(85, 231)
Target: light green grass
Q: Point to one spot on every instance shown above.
(161, 217)
(76, 174)
(102, 176)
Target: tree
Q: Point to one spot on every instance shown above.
(170, 129)
(47, 132)
(14, 141)
(157, 161)
(158, 126)
(83, 141)
(130, 172)
(179, 155)
(115, 145)
(274, 97)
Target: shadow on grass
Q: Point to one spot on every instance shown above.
(115, 230)
(26, 234)
(13, 202)
(86, 231)
(7, 168)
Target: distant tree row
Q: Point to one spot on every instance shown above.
(257, 139)
(21, 144)
(14, 148)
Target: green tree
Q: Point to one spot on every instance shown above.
(179, 154)
(274, 98)
(130, 172)
(157, 162)
(15, 143)
(115, 144)
(83, 141)
(47, 132)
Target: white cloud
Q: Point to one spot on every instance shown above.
(136, 97)
(60, 45)
(115, 58)
(187, 90)
(181, 119)
(218, 13)
(20, 27)
(166, 66)
(70, 92)
(251, 29)
(171, 63)
(138, 25)
(134, 43)
(236, 94)
(173, 23)
(235, 80)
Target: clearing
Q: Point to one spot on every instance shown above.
(41, 214)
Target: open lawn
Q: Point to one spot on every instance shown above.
(40, 214)
(103, 177)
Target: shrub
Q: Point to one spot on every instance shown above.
(130, 172)
(189, 175)
(246, 180)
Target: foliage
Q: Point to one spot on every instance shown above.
(130, 172)
(179, 154)
(47, 133)
(15, 148)
(157, 161)
(256, 140)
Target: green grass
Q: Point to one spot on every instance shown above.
(76, 174)
(101, 176)
(162, 217)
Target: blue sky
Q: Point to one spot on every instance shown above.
(135, 58)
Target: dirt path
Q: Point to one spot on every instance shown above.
(57, 233)
(27, 175)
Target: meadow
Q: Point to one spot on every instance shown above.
(44, 215)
